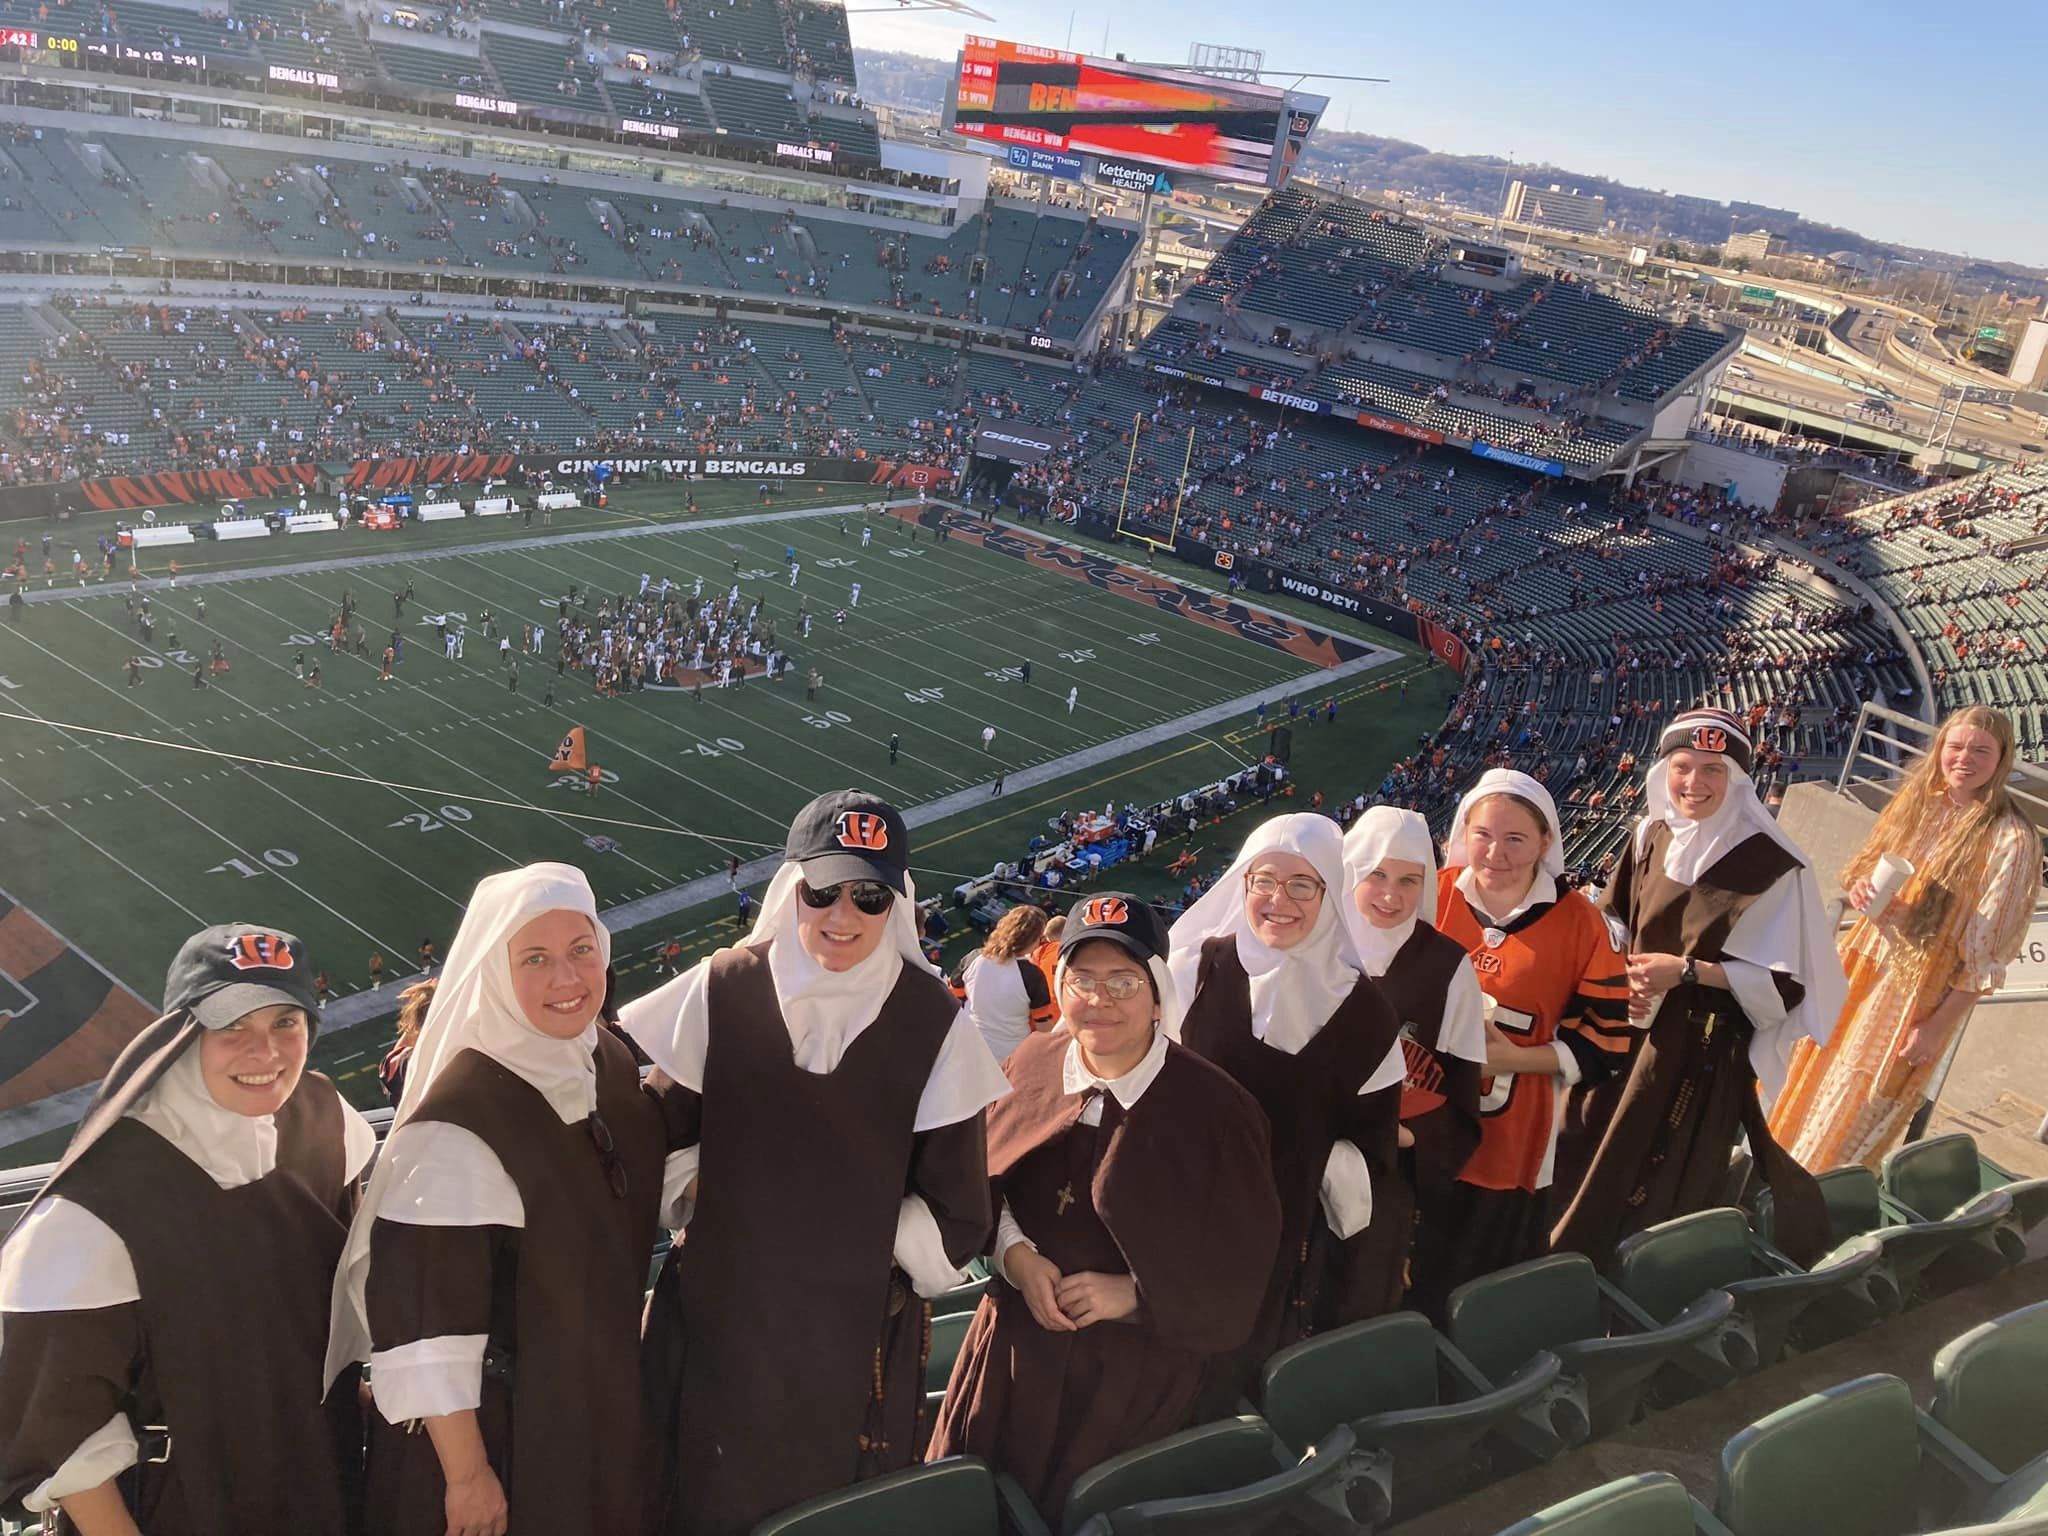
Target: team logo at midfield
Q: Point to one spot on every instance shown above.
(1709, 738)
(260, 952)
(863, 829)
(1104, 912)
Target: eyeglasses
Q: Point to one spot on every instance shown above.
(1119, 988)
(608, 1155)
(1297, 887)
(869, 896)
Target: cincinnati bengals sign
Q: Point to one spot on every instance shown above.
(863, 829)
(260, 952)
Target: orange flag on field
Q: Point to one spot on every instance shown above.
(569, 756)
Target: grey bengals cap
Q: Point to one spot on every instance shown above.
(231, 969)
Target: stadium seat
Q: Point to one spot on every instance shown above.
(958, 1496)
(1421, 1411)
(962, 1298)
(1648, 1504)
(1845, 1461)
(1857, 1207)
(1991, 1388)
(1665, 1268)
(1219, 1479)
(1942, 1176)
(1609, 1346)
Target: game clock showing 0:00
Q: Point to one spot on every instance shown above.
(30, 42)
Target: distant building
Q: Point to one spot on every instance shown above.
(1756, 244)
(1555, 208)
(1781, 218)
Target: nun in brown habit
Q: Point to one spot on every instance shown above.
(1275, 993)
(493, 1277)
(1731, 962)
(1428, 980)
(826, 1088)
(1137, 1229)
(145, 1382)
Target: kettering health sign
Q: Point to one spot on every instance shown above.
(1046, 162)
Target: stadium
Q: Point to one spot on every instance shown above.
(438, 442)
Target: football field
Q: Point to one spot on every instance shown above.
(361, 813)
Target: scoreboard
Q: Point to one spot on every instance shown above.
(1046, 99)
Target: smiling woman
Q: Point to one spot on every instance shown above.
(494, 1273)
(208, 1143)
(1918, 963)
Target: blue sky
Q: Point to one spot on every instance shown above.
(1909, 122)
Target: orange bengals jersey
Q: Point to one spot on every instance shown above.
(1557, 971)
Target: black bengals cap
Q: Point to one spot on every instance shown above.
(1122, 920)
(235, 968)
(849, 834)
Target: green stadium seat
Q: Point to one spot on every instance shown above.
(1857, 1206)
(1648, 1504)
(1845, 1461)
(1665, 1268)
(962, 1298)
(1220, 1479)
(1943, 1177)
(949, 1330)
(1609, 1346)
(1420, 1410)
(958, 1496)
(1991, 1388)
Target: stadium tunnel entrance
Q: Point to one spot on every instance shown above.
(1000, 451)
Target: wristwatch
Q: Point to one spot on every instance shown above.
(1691, 974)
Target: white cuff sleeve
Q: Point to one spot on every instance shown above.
(676, 1172)
(107, 1452)
(429, 1377)
(1755, 993)
(1008, 1235)
(1567, 1064)
(921, 1252)
(1347, 1190)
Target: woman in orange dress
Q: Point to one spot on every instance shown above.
(1921, 964)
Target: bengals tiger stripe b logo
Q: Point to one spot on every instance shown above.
(1709, 738)
(1104, 911)
(863, 829)
(261, 952)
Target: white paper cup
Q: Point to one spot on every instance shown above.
(1886, 881)
(1488, 1007)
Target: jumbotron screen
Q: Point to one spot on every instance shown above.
(1044, 98)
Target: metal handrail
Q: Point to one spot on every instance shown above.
(1910, 740)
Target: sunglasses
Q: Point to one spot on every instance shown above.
(869, 896)
(608, 1155)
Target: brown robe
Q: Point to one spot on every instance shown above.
(1311, 1101)
(233, 1370)
(1654, 1143)
(785, 1350)
(558, 1298)
(1439, 1107)
(1176, 1192)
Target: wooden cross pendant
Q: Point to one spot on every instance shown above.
(1066, 1198)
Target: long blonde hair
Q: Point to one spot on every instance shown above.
(1952, 870)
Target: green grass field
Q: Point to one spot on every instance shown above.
(126, 847)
